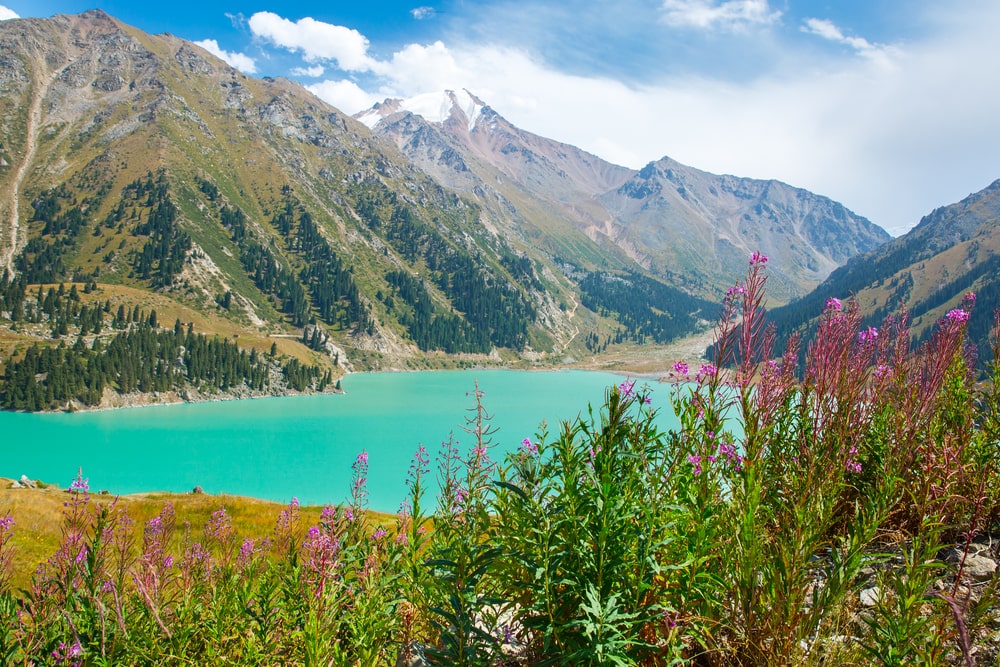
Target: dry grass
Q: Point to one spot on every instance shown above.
(169, 310)
(38, 516)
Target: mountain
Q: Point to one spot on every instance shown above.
(952, 251)
(688, 227)
(704, 227)
(143, 161)
(541, 189)
(142, 165)
(151, 174)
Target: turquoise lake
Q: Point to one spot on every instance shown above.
(301, 446)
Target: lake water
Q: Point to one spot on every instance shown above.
(301, 446)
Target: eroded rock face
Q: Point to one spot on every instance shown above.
(673, 219)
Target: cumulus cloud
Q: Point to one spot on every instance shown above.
(891, 143)
(345, 95)
(240, 61)
(724, 14)
(316, 40)
(313, 72)
(829, 31)
(426, 68)
(420, 13)
(7, 14)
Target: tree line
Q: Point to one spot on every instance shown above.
(646, 309)
(139, 356)
(491, 306)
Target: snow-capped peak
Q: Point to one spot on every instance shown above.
(432, 107)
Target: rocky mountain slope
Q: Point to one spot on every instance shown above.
(136, 164)
(701, 227)
(952, 251)
(689, 227)
(144, 161)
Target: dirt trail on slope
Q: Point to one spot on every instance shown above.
(30, 146)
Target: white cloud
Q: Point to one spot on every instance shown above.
(420, 13)
(828, 30)
(7, 14)
(891, 143)
(240, 61)
(726, 15)
(316, 40)
(345, 95)
(426, 68)
(313, 72)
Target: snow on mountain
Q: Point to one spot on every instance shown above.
(689, 227)
(433, 107)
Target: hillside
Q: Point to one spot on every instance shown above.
(138, 165)
(144, 162)
(690, 228)
(952, 251)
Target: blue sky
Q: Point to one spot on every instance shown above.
(891, 107)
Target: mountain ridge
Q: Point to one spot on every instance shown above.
(663, 216)
(952, 251)
(144, 162)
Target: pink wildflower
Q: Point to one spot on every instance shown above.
(868, 336)
(706, 371)
(957, 316)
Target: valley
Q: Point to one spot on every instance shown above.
(155, 176)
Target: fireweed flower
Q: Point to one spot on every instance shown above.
(359, 486)
(868, 336)
(421, 456)
(247, 551)
(287, 525)
(758, 258)
(834, 304)
(695, 460)
(328, 515)
(728, 451)
(528, 447)
(219, 528)
(68, 655)
(6, 552)
(80, 484)
(196, 563)
(957, 316)
(320, 557)
(705, 372)
(681, 368)
(626, 388)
